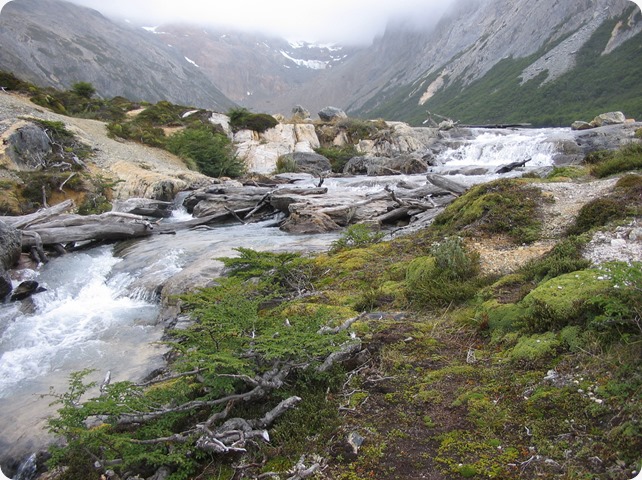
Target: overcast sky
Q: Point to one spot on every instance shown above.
(346, 21)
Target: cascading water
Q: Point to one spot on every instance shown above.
(494, 148)
(101, 309)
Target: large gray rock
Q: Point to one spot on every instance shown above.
(330, 114)
(29, 146)
(144, 206)
(581, 125)
(609, 137)
(10, 246)
(300, 112)
(310, 162)
(610, 118)
(309, 221)
(5, 285)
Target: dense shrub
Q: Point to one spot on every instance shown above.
(565, 257)
(243, 119)
(83, 89)
(210, 151)
(604, 164)
(338, 156)
(596, 213)
(501, 207)
(286, 164)
(449, 276)
(357, 236)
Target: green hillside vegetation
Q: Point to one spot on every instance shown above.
(202, 145)
(463, 374)
(597, 84)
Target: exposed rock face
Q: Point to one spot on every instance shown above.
(260, 151)
(608, 137)
(10, 248)
(402, 138)
(57, 43)
(330, 114)
(299, 112)
(402, 164)
(312, 163)
(611, 118)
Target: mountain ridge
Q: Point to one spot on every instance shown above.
(485, 61)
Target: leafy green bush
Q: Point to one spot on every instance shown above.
(450, 275)
(357, 236)
(565, 257)
(286, 164)
(358, 129)
(9, 81)
(243, 119)
(338, 156)
(210, 151)
(626, 159)
(83, 89)
(238, 360)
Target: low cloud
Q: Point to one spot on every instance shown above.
(351, 21)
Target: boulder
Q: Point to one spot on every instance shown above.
(28, 146)
(580, 125)
(611, 118)
(330, 114)
(308, 221)
(144, 206)
(5, 285)
(10, 246)
(26, 289)
(310, 162)
(222, 121)
(299, 112)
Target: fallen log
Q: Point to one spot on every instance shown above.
(24, 221)
(110, 226)
(512, 166)
(449, 185)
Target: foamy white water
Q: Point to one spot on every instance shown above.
(494, 148)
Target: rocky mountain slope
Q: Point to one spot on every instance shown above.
(56, 43)
(253, 70)
(485, 61)
(487, 58)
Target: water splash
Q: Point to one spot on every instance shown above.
(493, 149)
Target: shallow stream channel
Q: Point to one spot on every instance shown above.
(101, 307)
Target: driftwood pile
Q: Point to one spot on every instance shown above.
(306, 210)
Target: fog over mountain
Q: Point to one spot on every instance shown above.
(354, 22)
(478, 61)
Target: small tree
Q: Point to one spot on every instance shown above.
(83, 89)
(211, 152)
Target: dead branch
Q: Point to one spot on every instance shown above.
(344, 326)
(348, 350)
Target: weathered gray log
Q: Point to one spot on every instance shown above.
(109, 226)
(23, 221)
(443, 182)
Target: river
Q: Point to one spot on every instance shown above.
(100, 310)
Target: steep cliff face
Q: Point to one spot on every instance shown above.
(410, 71)
(57, 43)
(509, 41)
